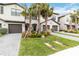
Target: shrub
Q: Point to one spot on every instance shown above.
(39, 35)
(65, 30)
(72, 31)
(76, 31)
(45, 33)
(35, 35)
(3, 30)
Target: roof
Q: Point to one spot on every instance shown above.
(55, 13)
(12, 21)
(52, 20)
(11, 4)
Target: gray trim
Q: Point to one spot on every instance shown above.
(12, 21)
(52, 20)
(11, 4)
(15, 21)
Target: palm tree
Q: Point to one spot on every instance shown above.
(46, 12)
(75, 19)
(29, 13)
(37, 12)
(24, 12)
(71, 21)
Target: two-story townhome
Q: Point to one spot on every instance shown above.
(66, 21)
(11, 18)
(52, 24)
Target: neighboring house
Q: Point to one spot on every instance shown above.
(11, 18)
(65, 22)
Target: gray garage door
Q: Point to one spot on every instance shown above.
(15, 28)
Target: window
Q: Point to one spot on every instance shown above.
(34, 18)
(48, 26)
(0, 25)
(43, 27)
(18, 12)
(67, 20)
(1, 9)
(15, 12)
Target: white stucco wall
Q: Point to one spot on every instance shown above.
(51, 23)
(7, 13)
(63, 21)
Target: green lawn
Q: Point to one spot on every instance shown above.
(36, 46)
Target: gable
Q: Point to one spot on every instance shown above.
(50, 22)
(6, 4)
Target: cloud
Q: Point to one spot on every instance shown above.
(67, 8)
(59, 10)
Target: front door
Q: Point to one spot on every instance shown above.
(26, 26)
(34, 27)
(54, 28)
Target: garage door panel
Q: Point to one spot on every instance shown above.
(15, 28)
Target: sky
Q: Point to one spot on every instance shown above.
(62, 7)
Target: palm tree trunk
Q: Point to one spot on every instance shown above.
(76, 23)
(39, 27)
(71, 25)
(30, 26)
(46, 28)
(28, 33)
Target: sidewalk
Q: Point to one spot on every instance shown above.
(66, 36)
(68, 52)
(70, 33)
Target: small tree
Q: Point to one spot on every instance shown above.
(29, 13)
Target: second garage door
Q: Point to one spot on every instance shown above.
(15, 28)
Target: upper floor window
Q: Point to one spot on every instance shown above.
(67, 20)
(15, 12)
(0, 25)
(34, 18)
(1, 9)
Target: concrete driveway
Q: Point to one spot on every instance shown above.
(9, 44)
